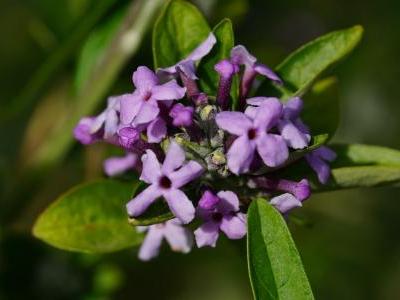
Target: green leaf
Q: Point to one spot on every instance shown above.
(321, 107)
(275, 267)
(209, 78)
(94, 48)
(89, 218)
(179, 29)
(301, 68)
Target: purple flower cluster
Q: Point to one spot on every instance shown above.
(190, 148)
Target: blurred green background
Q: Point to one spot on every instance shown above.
(350, 241)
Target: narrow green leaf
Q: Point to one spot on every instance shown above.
(304, 65)
(301, 68)
(89, 218)
(223, 32)
(275, 267)
(321, 107)
(179, 29)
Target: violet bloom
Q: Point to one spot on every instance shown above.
(128, 136)
(219, 212)
(166, 181)
(187, 65)
(240, 56)
(317, 160)
(181, 115)
(291, 128)
(253, 134)
(103, 126)
(178, 237)
(141, 106)
(226, 70)
(301, 190)
(117, 165)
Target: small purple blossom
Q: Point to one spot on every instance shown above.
(117, 165)
(226, 69)
(219, 212)
(141, 106)
(301, 190)
(181, 115)
(317, 160)
(253, 134)
(166, 181)
(178, 237)
(104, 126)
(187, 65)
(241, 57)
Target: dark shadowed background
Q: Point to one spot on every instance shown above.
(350, 241)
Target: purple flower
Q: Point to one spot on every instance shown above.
(317, 160)
(240, 56)
(292, 129)
(253, 134)
(219, 212)
(156, 130)
(118, 165)
(166, 181)
(178, 237)
(285, 202)
(105, 125)
(181, 115)
(141, 106)
(187, 65)
(226, 69)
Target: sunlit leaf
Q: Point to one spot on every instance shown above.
(275, 267)
(89, 218)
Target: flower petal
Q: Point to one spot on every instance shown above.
(292, 135)
(151, 243)
(272, 149)
(147, 113)
(178, 237)
(187, 173)
(257, 101)
(208, 200)
(207, 234)
(236, 123)
(241, 56)
(156, 131)
(144, 78)
(229, 202)
(267, 72)
(203, 49)
(142, 201)
(168, 91)
(325, 153)
(268, 113)
(151, 171)
(130, 106)
(293, 108)
(234, 226)
(180, 205)
(285, 202)
(174, 158)
(111, 124)
(319, 166)
(118, 165)
(240, 155)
